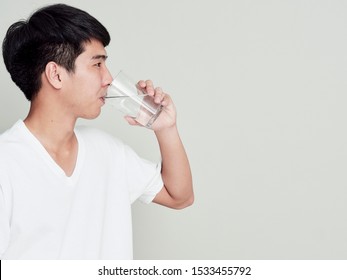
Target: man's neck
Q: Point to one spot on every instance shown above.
(50, 126)
(56, 134)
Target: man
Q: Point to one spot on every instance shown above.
(66, 191)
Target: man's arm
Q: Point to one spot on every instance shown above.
(177, 191)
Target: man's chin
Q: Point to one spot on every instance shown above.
(91, 116)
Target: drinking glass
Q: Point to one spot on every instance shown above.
(124, 94)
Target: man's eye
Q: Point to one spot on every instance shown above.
(98, 64)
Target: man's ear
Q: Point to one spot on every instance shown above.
(53, 74)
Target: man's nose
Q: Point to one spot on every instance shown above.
(108, 77)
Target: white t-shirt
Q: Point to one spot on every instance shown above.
(46, 215)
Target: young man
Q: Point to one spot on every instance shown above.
(66, 191)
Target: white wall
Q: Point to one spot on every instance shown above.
(260, 88)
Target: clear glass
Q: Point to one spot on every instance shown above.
(125, 95)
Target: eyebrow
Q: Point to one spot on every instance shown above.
(100, 56)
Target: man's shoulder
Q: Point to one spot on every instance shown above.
(96, 136)
(11, 134)
(10, 142)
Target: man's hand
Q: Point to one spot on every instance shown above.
(167, 117)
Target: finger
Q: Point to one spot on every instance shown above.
(131, 121)
(158, 95)
(161, 97)
(149, 87)
(141, 84)
(166, 100)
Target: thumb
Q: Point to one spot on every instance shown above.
(131, 120)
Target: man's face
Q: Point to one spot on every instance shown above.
(85, 89)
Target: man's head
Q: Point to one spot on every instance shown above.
(55, 33)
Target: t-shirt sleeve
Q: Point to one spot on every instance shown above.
(143, 177)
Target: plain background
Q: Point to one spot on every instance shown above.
(260, 89)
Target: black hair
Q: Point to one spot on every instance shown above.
(53, 33)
